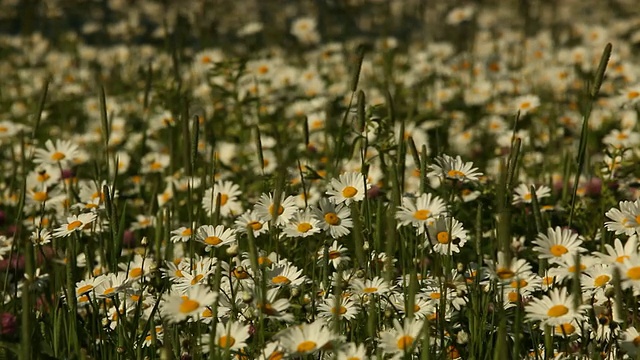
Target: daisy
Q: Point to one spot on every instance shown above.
(402, 339)
(176, 308)
(523, 193)
(556, 243)
(111, 284)
(159, 335)
(352, 351)
(566, 266)
(344, 308)
(376, 285)
(138, 267)
(447, 167)
(334, 219)
(525, 104)
(446, 235)
(196, 277)
(215, 237)
(232, 336)
(181, 234)
(630, 272)
(337, 254)
(302, 224)
(274, 308)
(265, 209)
(143, 222)
(421, 211)
(626, 220)
(555, 309)
(86, 287)
(41, 237)
(74, 223)
(306, 339)
(62, 153)
(507, 271)
(630, 95)
(596, 277)
(618, 253)
(229, 202)
(272, 351)
(350, 187)
(251, 220)
(630, 341)
(286, 274)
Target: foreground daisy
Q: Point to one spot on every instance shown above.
(446, 235)
(74, 223)
(232, 336)
(555, 309)
(349, 187)
(420, 211)
(215, 237)
(266, 211)
(176, 308)
(626, 220)
(447, 167)
(523, 193)
(334, 219)
(402, 339)
(306, 339)
(62, 153)
(556, 243)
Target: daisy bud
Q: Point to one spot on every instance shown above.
(105, 322)
(144, 241)
(295, 292)
(460, 267)
(247, 297)
(306, 299)
(360, 274)
(365, 246)
(232, 250)
(610, 292)
(120, 350)
(248, 313)
(388, 313)
(462, 337)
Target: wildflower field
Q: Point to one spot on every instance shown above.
(346, 179)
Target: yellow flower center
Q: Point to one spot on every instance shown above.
(207, 313)
(108, 291)
(404, 342)
(135, 272)
(188, 306)
(57, 156)
(349, 192)
(573, 269)
(557, 310)
(304, 227)
(332, 218)
(196, 279)
(422, 214)
(276, 355)
(84, 289)
(74, 225)
(636, 341)
(527, 197)
(435, 295)
(280, 280)
(223, 199)
(40, 196)
(443, 237)
(280, 209)
(558, 250)
(369, 290)
(504, 273)
(525, 105)
(455, 174)
(334, 254)
(263, 260)
(634, 273)
(339, 310)
(521, 283)
(306, 346)
(513, 296)
(601, 280)
(255, 225)
(226, 341)
(565, 328)
(212, 240)
(633, 94)
(186, 232)
(42, 177)
(620, 259)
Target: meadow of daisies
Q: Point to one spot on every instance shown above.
(357, 179)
